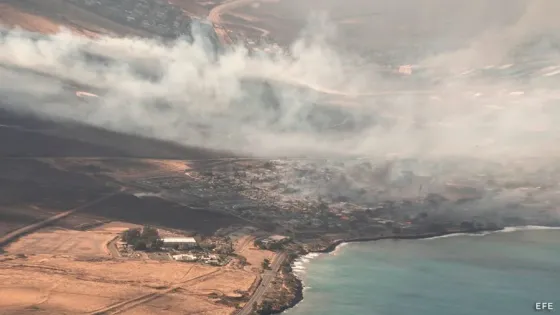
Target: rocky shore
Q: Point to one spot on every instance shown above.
(332, 246)
(297, 285)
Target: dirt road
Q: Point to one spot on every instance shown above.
(215, 15)
(129, 304)
(6, 239)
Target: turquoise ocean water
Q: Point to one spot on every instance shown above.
(497, 273)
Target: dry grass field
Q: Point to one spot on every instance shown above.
(121, 169)
(245, 247)
(48, 16)
(59, 271)
(64, 242)
(180, 303)
(62, 285)
(11, 17)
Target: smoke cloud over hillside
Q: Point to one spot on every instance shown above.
(494, 98)
(178, 92)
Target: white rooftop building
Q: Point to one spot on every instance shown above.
(185, 257)
(179, 242)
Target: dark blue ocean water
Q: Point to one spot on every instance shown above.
(498, 273)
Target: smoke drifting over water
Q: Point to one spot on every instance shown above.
(494, 99)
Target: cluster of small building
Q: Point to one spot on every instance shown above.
(159, 17)
(181, 244)
(188, 249)
(210, 259)
(264, 47)
(303, 197)
(272, 241)
(285, 192)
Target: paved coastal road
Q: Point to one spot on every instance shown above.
(265, 283)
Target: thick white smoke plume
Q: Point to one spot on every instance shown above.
(319, 100)
(488, 108)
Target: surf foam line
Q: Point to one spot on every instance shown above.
(508, 229)
(299, 266)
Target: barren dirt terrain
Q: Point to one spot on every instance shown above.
(122, 169)
(62, 285)
(79, 243)
(56, 271)
(12, 17)
(246, 248)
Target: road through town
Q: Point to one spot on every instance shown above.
(215, 15)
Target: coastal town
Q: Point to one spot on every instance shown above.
(278, 201)
(167, 20)
(158, 17)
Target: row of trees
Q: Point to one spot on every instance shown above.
(146, 238)
(265, 308)
(274, 246)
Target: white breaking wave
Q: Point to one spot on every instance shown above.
(508, 229)
(458, 234)
(143, 194)
(338, 248)
(528, 228)
(299, 265)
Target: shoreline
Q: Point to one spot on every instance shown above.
(298, 296)
(334, 245)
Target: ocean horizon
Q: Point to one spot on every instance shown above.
(503, 272)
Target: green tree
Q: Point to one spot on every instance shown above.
(266, 307)
(149, 232)
(156, 244)
(140, 245)
(131, 235)
(266, 263)
(150, 236)
(242, 260)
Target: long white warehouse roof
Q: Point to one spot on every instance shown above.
(179, 240)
